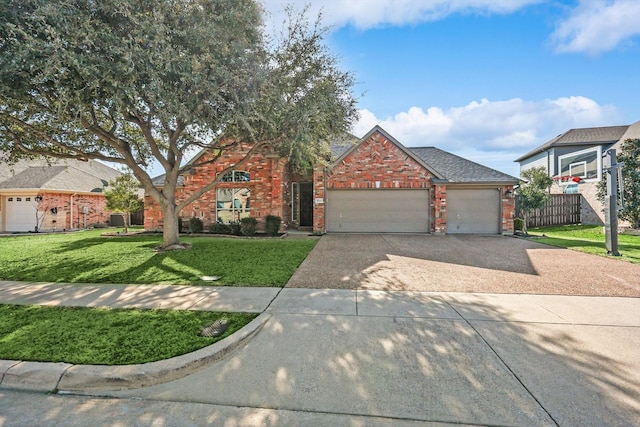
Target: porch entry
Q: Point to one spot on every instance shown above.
(302, 203)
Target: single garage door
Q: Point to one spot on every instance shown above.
(475, 211)
(20, 213)
(378, 211)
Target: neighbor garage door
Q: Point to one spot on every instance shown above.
(475, 211)
(378, 211)
(20, 213)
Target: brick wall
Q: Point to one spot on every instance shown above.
(268, 182)
(376, 163)
(508, 210)
(72, 211)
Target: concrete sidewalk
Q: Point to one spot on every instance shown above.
(354, 357)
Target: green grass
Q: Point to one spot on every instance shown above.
(588, 238)
(87, 257)
(105, 336)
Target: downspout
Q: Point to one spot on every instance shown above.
(71, 202)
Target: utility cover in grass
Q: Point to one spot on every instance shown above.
(215, 329)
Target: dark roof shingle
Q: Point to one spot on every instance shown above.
(584, 136)
(457, 169)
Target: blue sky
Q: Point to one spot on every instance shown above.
(486, 79)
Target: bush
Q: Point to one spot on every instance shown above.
(518, 224)
(195, 225)
(236, 228)
(248, 226)
(273, 225)
(99, 225)
(219, 228)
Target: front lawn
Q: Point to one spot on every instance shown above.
(105, 336)
(588, 238)
(87, 257)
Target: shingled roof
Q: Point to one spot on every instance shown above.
(456, 169)
(584, 136)
(446, 166)
(64, 175)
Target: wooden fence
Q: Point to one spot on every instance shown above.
(561, 209)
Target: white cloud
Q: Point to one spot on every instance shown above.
(493, 133)
(366, 14)
(596, 26)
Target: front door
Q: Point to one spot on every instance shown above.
(306, 204)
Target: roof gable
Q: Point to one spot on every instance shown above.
(378, 130)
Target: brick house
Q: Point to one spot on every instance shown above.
(53, 195)
(373, 185)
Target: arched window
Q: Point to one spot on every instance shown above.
(236, 176)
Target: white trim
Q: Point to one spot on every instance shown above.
(597, 150)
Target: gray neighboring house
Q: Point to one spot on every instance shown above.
(574, 160)
(54, 195)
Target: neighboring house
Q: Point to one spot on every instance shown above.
(53, 195)
(374, 185)
(574, 160)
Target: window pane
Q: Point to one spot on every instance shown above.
(232, 204)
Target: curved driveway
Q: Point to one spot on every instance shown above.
(486, 264)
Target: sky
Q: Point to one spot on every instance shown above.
(488, 80)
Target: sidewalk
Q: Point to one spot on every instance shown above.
(387, 357)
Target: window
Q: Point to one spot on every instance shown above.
(571, 189)
(585, 164)
(232, 204)
(18, 199)
(236, 176)
(10, 199)
(28, 199)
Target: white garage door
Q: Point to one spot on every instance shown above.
(378, 211)
(20, 213)
(475, 211)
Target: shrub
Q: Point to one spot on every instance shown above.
(219, 228)
(518, 224)
(195, 225)
(248, 226)
(99, 225)
(236, 228)
(273, 225)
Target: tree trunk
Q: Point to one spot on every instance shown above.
(170, 230)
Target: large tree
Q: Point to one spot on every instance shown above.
(142, 81)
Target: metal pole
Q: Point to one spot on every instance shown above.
(611, 204)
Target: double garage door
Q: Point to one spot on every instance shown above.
(19, 213)
(474, 211)
(378, 211)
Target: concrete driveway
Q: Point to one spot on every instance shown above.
(488, 264)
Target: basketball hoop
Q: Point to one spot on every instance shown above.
(576, 179)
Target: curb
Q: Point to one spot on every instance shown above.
(68, 378)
